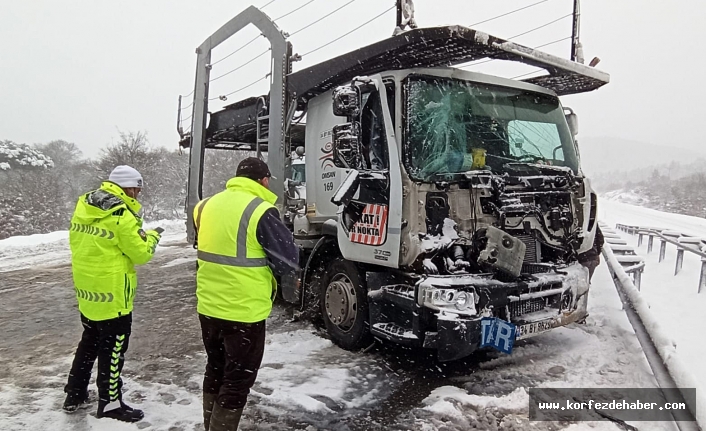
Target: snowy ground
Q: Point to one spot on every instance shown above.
(305, 383)
(674, 299)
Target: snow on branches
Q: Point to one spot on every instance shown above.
(14, 155)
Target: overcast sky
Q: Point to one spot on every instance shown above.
(81, 70)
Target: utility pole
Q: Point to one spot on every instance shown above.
(576, 54)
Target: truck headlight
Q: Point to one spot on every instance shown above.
(463, 300)
(450, 299)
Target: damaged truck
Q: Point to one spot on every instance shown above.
(435, 199)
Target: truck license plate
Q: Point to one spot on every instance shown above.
(534, 328)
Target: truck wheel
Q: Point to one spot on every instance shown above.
(344, 305)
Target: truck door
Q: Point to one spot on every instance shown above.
(370, 222)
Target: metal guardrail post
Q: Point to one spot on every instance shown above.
(650, 242)
(662, 249)
(637, 278)
(702, 278)
(680, 260)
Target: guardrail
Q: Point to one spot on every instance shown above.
(659, 350)
(632, 263)
(684, 242)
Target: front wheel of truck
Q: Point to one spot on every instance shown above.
(344, 305)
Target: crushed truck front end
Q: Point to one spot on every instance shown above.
(495, 212)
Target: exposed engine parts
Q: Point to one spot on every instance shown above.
(519, 224)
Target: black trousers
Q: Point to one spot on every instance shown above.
(234, 351)
(106, 340)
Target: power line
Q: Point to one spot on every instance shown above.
(508, 13)
(527, 32)
(189, 105)
(300, 7)
(254, 39)
(186, 119)
(541, 26)
(346, 34)
(222, 97)
(241, 66)
(526, 74)
(552, 43)
(323, 18)
(239, 49)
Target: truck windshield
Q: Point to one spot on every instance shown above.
(455, 126)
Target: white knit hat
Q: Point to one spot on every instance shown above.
(126, 177)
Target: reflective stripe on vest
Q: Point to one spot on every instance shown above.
(93, 296)
(197, 220)
(241, 250)
(92, 230)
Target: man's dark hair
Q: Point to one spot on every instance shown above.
(253, 168)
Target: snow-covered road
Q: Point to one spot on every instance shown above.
(306, 382)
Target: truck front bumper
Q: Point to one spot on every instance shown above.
(535, 306)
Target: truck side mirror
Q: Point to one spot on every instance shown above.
(346, 101)
(346, 145)
(573, 121)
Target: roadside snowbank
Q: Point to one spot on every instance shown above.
(669, 306)
(52, 249)
(675, 362)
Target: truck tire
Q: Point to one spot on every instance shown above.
(344, 287)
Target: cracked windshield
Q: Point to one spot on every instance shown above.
(456, 126)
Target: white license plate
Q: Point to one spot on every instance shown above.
(534, 328)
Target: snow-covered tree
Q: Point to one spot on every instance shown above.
(164, 173)
(14, 155)
(28, 200)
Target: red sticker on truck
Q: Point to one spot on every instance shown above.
(371, 229)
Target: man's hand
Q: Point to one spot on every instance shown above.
(154, 234)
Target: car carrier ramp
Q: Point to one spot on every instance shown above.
(235, 125)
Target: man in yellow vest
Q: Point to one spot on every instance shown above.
(107, 241)
(241, 242)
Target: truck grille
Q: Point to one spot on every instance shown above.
(531, 252)
(520, 308)
(536, 268)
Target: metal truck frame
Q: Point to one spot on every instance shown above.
(429, 201)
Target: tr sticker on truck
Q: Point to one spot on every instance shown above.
(371, 229)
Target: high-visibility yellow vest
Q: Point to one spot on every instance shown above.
(234, 281)
(107, 241)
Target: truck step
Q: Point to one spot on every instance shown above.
(396, 333)
(398, 294)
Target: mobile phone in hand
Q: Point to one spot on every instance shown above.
(159, 230)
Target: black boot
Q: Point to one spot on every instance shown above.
(208, 400)
(74, 402)
(225, 419)
(123, 413)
